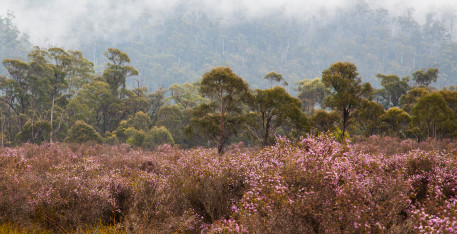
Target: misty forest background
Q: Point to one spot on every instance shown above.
(172, 53)
(181, 47)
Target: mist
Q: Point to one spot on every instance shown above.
(66, 23)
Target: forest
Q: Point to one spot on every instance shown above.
(199, 125)
(56, 96)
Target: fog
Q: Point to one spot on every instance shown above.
(63, 22)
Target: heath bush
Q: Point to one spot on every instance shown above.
(81, 132)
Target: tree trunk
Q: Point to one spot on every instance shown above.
(3, 122)
(345, 121)
(220, 147)
(105, 118)
(267, 133)
(52, 119)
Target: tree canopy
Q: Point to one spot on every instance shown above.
(346, 90)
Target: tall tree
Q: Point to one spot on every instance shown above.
(425, 77)
(16, 88)
(271, 109)
(323, 121)
(368, 116)
(346, 90)
(226, 91)
(409, 100)
(396, 121)
(186, 95)
(433, 116)
(312, 93)
(117, 70)
(93, 105)
(277, 77)
(394, 88)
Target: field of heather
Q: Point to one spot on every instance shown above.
(315, 185)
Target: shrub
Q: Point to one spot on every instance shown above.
(142, 121)
(157, 136)
(82, 132)
(313, 185)
(137, 138)
(34, 132)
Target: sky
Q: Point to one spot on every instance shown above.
(52, 21)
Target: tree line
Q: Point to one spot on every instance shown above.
(56, 96)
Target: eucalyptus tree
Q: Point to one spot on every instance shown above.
(219, 118)
(394, 88)
(276, 77)
(425, 77)
(346, 90)
(409, 100)
(396, 121)
(117, 70)
(367, 117)
(312, 93)
(433, 116)
(271, 109)
(40, 88)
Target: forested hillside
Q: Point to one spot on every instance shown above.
(181, 46)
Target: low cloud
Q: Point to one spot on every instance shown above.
(63, 22)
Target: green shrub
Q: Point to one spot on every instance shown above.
(35, 132)
(82, 132)
(142, 121)
(157, 136)
(137, 138)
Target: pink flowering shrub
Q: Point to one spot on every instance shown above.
(315, 185)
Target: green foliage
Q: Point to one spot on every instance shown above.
(433, 116)
(450, 96)
(323, 121)
(174, 118)
(56, 88)
(34, 132)
(368, 117)
(396, 122)
(394, 88)
(226, 91)
(347, 90)
(157, 136)
(409, 100)
(141, 121)
(81, 132)
(424, 78)
(156, 100)
(135, 101)
(277, 77)
(272, 109)
(137, 138)
(110, 139)
(16, 89)
(94, 103)
(312, 93)
(186, 95)
(120, 131)
(116, 71)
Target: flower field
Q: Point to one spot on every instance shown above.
(315, 185)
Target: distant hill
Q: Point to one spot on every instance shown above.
(182, 47)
